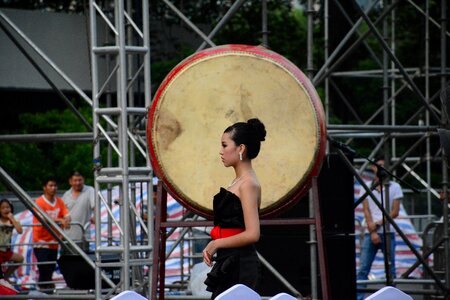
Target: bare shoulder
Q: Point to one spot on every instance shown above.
(250, 186)
(251, 182)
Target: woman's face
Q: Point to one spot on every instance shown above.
(229, 152)
(5, 209)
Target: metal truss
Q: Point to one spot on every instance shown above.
(124, 56)
(388, 135)
(116, 131)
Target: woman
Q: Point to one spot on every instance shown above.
(236, 218)
(7, 224)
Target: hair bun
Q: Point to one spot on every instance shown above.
(259, 128)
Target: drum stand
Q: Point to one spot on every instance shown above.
(160, 238)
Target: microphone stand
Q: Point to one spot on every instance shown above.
(387, 267)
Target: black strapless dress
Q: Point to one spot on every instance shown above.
(232, 265)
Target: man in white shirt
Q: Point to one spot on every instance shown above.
(373, 237)
(80, 200)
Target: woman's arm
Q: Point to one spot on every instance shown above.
(249, 193)
(15, 223)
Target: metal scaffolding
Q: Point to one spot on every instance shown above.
(388, 135)
(118, 117)
(126, 59)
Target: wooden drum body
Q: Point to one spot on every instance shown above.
(217, 87)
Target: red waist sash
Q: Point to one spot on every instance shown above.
(220, 233)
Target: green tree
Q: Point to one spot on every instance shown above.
(286, 25)
(30, 163)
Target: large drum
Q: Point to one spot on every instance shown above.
(217, 87)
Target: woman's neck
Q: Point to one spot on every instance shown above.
(243, 168)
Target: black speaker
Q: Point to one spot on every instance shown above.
(286, 248)
(80, 276)
(336, 198)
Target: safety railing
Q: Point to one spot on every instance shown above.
(32, 283)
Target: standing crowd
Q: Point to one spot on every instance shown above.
(72, 213)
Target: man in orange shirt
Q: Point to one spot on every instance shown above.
(45, 247)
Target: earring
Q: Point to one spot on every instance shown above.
(240, 156)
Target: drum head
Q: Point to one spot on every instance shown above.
(217, 87)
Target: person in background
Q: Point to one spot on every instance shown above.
(80, 200)
(236, 212)
(7, 224)
(373, 237)
(45, 246)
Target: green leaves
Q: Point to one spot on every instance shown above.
(29, 163)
